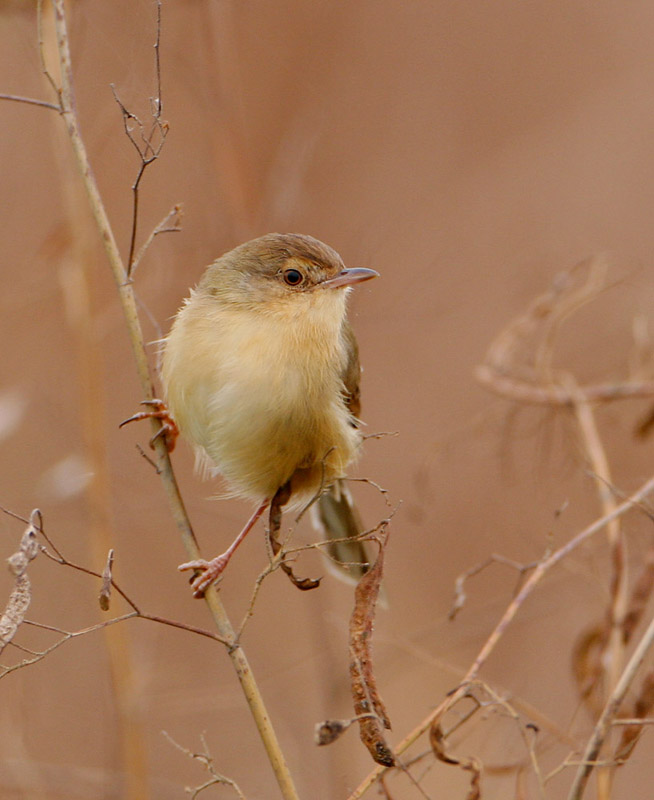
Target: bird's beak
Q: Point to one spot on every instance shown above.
(348, 277)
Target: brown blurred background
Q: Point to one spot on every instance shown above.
(468, 151)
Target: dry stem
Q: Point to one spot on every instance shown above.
(206, 759)
(127, 298)
(611, 708)
(505, 373)
(506, 619)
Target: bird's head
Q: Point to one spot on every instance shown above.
(282, 271)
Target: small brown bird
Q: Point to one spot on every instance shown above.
(261, 374)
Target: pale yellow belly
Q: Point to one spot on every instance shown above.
(259, 445)
(262, 417)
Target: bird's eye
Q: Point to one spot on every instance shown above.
(293, 277)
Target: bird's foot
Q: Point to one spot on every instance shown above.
(158, 410)
(208, 572)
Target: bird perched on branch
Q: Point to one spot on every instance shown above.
(261, 374)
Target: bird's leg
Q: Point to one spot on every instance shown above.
(274, 525)
(168, 430)
(209, 571)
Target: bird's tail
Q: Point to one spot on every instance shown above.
(338, 522)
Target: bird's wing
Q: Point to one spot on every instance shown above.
(352, 372)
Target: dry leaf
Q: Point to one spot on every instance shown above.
(368, 705)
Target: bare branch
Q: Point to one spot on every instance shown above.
(16, 98)
(206, 759)
(460, 596)
(171, 223)
(148, 140)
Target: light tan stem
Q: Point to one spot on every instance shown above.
(128, 302)
(615, 646)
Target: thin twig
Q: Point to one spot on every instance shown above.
(64, 562)
(171, 223)
(146, 146)
(460, 596)
(66, 636)
(524, 731)
(30, 101)
(44, 67)
(35, 524)
(206, 759)
(516, 389)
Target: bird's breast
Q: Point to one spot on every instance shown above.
(263, 395)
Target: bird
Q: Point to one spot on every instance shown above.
(261, 374)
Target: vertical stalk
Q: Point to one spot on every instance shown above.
(128, 302)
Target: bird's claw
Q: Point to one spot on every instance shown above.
(168, 430)
(208, 572)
